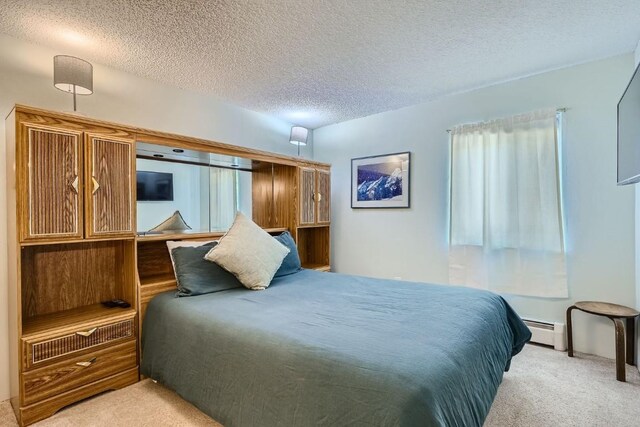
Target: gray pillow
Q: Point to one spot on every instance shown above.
(174, 223)
(290, 263)
(196, 276)
(249, 252)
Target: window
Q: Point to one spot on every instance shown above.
(223, 199)
(506, 226)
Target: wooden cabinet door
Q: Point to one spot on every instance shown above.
(323, 197)
(110, 194)
(52, 180)
(307, 196)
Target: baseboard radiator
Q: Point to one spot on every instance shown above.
(547, 333)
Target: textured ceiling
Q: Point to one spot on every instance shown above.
(316, 62)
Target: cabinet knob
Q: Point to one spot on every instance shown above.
(95, 185)
(319, 198)
(87, 363)
(87, 333)
(74, 185)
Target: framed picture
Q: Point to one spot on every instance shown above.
(380, 181)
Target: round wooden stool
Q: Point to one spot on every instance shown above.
(616, 313)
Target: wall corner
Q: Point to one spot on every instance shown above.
(637, 235)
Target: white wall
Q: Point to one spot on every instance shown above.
(26, 78)
(412, 243)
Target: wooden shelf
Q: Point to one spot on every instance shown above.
(72, 241)
(194, 236)
(73, 317)
(158, 279)
(315, 266)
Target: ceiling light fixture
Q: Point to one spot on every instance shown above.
(299, 137)
(72, 75)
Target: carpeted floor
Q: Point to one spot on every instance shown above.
(543, 388)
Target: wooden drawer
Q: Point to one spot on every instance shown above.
(69, 374)
(42, 351)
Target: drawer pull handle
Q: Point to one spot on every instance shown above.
(87, 333)
(319, 198)
(87, 363)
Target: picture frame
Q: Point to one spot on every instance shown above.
(381, 181)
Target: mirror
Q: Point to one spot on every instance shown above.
(187, 191)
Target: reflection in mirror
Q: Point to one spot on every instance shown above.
(186, 191)
(189, 199)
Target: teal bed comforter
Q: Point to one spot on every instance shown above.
(324, 349)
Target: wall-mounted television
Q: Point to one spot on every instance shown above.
(154, 186)
(629, 132)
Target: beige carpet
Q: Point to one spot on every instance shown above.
(142, 404)
(543, 388)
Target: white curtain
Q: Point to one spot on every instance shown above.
(506, 213)
(223, 198)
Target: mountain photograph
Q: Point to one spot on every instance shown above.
(379, 181)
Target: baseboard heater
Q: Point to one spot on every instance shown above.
(547, 333)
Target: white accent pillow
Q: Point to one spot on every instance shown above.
(249, 253)
(172, 244)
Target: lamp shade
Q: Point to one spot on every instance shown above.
(299, 135)
(70, 72)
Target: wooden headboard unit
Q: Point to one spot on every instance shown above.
(72, 244)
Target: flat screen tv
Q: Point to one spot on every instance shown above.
(629, 132)
(154, 186)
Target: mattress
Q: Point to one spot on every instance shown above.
(325, 349)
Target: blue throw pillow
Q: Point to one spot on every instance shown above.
(291, 263)
(196, 276)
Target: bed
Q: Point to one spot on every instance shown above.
(329, 349)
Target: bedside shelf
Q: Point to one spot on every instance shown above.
(317, 266)
(158, 280)
(161, 237)
(72, 318)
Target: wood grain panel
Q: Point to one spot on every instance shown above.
(52, 325)
(153, 260)
(58, 378)
(14, 194)
(307, 195)
(68, 121)
(76, 323)
(127, 261)
(67, 276)
(53, 183)
(45, 408)
(45, 351)
(314, 247)
(285, 196)
(110, 175)
(262, 195)
(323, 197)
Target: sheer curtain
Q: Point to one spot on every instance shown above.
(223, 199)
(506, 230)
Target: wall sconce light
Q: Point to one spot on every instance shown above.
(72, 75)
(299, 136)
